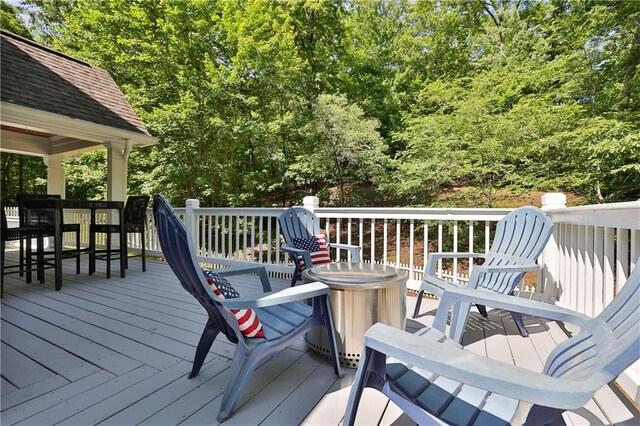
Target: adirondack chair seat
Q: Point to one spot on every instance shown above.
(432, 378)
(283, 314)
(519, 240)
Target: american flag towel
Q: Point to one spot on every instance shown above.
(317, 247)
(249, 323)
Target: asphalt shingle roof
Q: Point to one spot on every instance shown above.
(37, 77)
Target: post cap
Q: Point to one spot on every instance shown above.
(554, 200)
(311, 202)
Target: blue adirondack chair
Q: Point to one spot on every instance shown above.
(519, 240)
(432, 377)
(298, 222)
(283, 316)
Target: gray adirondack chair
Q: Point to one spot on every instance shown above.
(433, 378)
(519, 240)
(284, 317)
(298, 222)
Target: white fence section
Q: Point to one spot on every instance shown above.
(594, 248)
(401, 237)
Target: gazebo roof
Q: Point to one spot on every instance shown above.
(53, 103)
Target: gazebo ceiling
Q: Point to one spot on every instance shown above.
(54, 104)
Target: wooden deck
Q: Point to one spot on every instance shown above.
(118, 352)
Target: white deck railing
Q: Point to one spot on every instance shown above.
(393, 236)
(593, 247)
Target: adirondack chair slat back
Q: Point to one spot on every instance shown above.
(177, 250)
(298, 222)
(607, 344)
(520, 237)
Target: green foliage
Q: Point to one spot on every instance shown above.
(342, 146)
(258, 102)
(21, 174)
(10, 21)
(86, 176)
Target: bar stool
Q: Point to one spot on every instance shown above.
(45, 218)
(21, 234)
(135, 214)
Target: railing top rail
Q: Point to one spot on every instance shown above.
(240, 211)
(413, 213)
(617, 215)
(366, 212)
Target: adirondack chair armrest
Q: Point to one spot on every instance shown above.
(291, 294)
(452, 296)
(295, 252)
(461, 365)
(532, 267)
(261, 271)
(353, 249)
(433, 257)
(435, 285)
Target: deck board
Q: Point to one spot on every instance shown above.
(173, 403)
(45, 354)
(20, 370)
(117, 351)
(83, 401)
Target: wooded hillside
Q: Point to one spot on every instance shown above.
(261, 102)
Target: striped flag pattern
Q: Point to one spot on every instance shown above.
(318, 248)
(248, 321)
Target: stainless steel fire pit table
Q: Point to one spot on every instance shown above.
(361, 294)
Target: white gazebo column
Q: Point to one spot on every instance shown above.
(55, 174)
(117, 156)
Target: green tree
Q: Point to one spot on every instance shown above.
(343, 146)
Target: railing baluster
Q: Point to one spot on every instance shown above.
(425, 249)
(216, 236)
(209, 235)
(635, 247)
(609, 264)
(411, 248)
(487, 237)
(588, 268)
(253, 240)
(440, 247)
(567, 270)
(338, 231)
(574, 266)
(277, 237)
(373, 240)
(361, 236)
(348, 238)
(397, 243)
(581, 274)
(598, 270)
(470, 246)
(269, 219)
(622, 257)
(260, 230)
(237, 248)
(385, 243)
(243, 252)
(455, 250)
(223, 229)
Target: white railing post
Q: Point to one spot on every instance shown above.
(311, 203)
(190, 220)
(548, 277)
